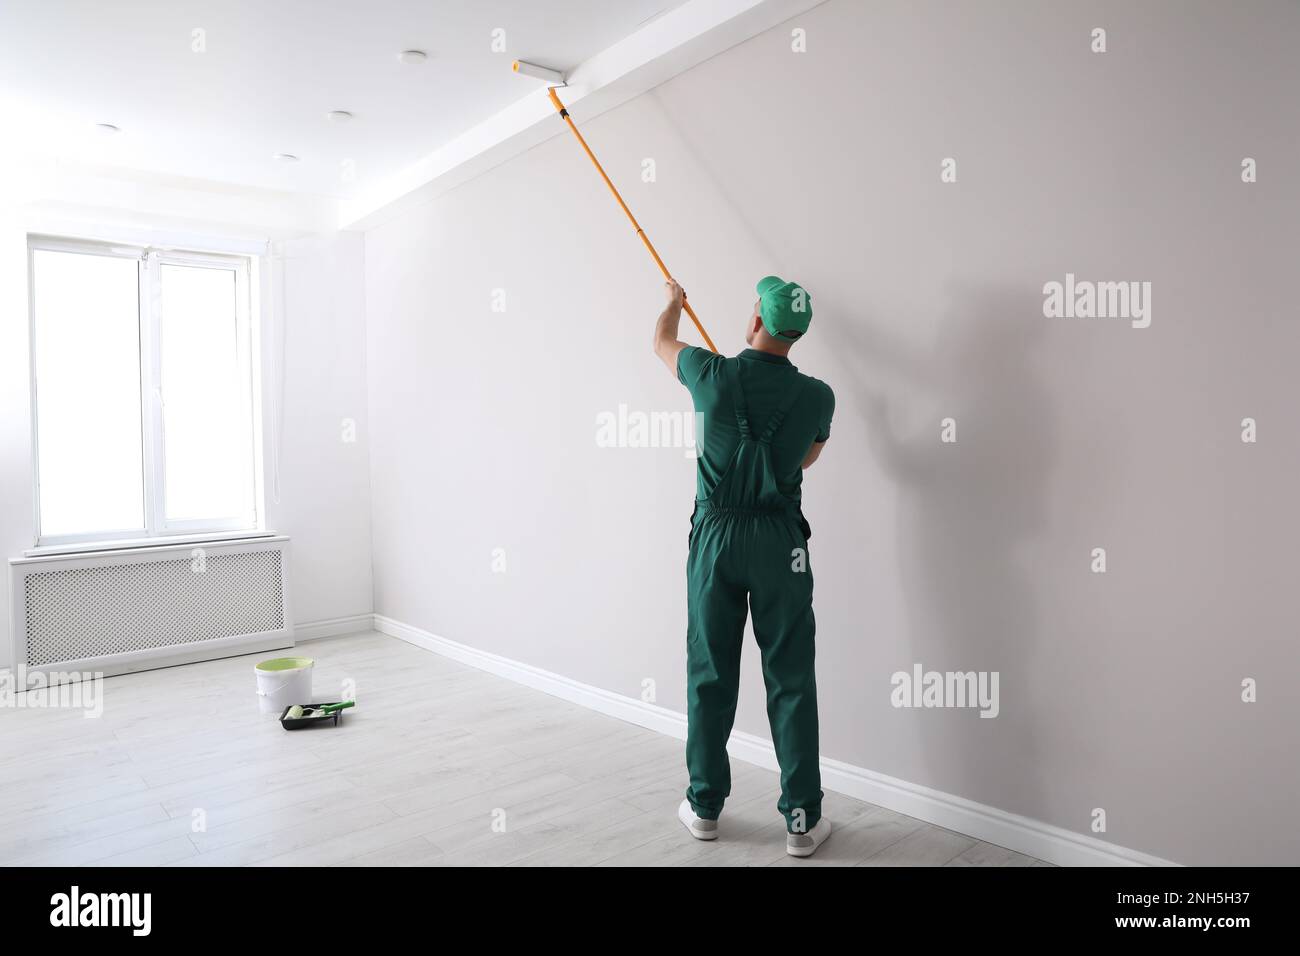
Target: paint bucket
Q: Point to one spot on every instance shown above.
(283, 681)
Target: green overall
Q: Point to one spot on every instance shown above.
(749, 544)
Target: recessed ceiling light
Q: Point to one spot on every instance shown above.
(338, 116)
(108, 129)
(412, 57)
(285, 157)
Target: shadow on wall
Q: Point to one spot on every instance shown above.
(970, 513)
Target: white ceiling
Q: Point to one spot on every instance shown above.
(271, 71)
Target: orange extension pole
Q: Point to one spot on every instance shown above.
(564, 114)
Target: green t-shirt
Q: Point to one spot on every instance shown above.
(764, 378)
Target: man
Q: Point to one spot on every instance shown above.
(763, 422)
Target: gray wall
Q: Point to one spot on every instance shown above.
(320, 411)
(1118, 690)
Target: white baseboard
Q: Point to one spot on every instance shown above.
(333, 627)
(1022, 834)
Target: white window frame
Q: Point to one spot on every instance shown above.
(148, 270)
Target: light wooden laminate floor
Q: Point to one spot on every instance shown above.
(440, 764)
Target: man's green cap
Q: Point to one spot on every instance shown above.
(786, 307)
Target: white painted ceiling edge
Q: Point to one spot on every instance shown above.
(76, 199)
(669, 45)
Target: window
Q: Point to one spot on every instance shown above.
(143, 392)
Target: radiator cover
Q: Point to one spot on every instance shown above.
(117, 611)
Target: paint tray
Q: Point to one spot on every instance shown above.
(300, 723)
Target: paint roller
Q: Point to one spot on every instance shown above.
(538, 72)
(556, 79)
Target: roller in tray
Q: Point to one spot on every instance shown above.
(302, 716)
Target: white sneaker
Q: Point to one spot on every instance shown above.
(806, 844)
(700, 828)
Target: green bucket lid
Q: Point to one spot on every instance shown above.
(285, 664)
